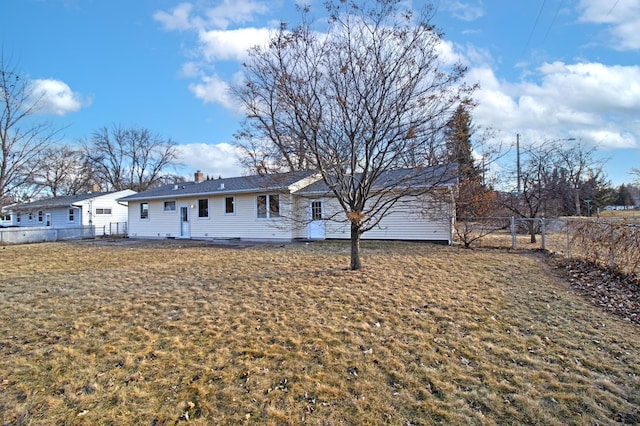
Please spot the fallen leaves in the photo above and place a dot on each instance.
(610, 290)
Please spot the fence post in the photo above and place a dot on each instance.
(568, 239)
(542, 231)
(612, 249)
(513, 232)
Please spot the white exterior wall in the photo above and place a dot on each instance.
(119, 212)
(84, 213)
(243, 224)
(405, 222)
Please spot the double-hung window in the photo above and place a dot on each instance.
(144, 211)
(169, 206)
(72, 214)
(268, 206)
(203, 208)
(229, 205)
(40, 216)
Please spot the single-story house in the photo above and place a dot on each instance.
(99, 209)
(281, 207)
(6, 216)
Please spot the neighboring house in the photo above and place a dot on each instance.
(100, 209)
(283, 207)
(6, 216)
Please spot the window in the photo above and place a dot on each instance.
(268, 206)
(40, 216)
(30, 217)
(17, 217)
(229, 205)
(203, 208)
(316, 210)
(72, 214)
(169, 206)
(144, 210)
(103, 211)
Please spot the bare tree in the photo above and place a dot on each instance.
(23, 138)
(353, 102)
(577, 164)
(63, 170)
(129, 158)
(539, 181)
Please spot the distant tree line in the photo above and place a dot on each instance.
(556, 178)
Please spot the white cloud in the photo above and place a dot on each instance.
(186, 17)
(464, 10)
(592, 101)
(213, 89)
(178, 19)
(55, 97)
(235, 12)
(212, 159)
(610, 138)
(232, 44)
(622, 17)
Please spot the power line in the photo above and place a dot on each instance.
(613, 7)
(535, 24)
(553, 21)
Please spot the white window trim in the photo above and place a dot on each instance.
(144, 219)
(175, 206)
(69, 215)
(233, 213)
(208, 216)
(103, 213)
(268, 205)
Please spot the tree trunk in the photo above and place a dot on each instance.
(355, 247)
(577, 201)
(532, 232)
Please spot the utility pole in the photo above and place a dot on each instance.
(518, 161)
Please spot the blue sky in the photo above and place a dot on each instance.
(548, 69)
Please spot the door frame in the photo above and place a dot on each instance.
(185, 225)
(316, 229)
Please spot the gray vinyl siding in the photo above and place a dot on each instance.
(84, 213)
(59, 218)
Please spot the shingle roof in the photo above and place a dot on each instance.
(439, 176)
(233, 185)
(418, 177)
(59, 201)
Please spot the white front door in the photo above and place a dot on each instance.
(315, 229)
(184, 222)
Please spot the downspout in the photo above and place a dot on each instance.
(452, 222)
(80, 210)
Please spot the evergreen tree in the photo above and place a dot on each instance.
(458, 142)
(624, 197)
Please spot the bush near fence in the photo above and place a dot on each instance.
(610, 243)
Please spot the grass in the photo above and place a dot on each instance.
(172, 332)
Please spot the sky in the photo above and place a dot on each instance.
(548, 70)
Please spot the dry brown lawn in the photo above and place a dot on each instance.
(173, 332)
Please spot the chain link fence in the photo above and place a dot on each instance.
(26, 235)
(608, 242)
